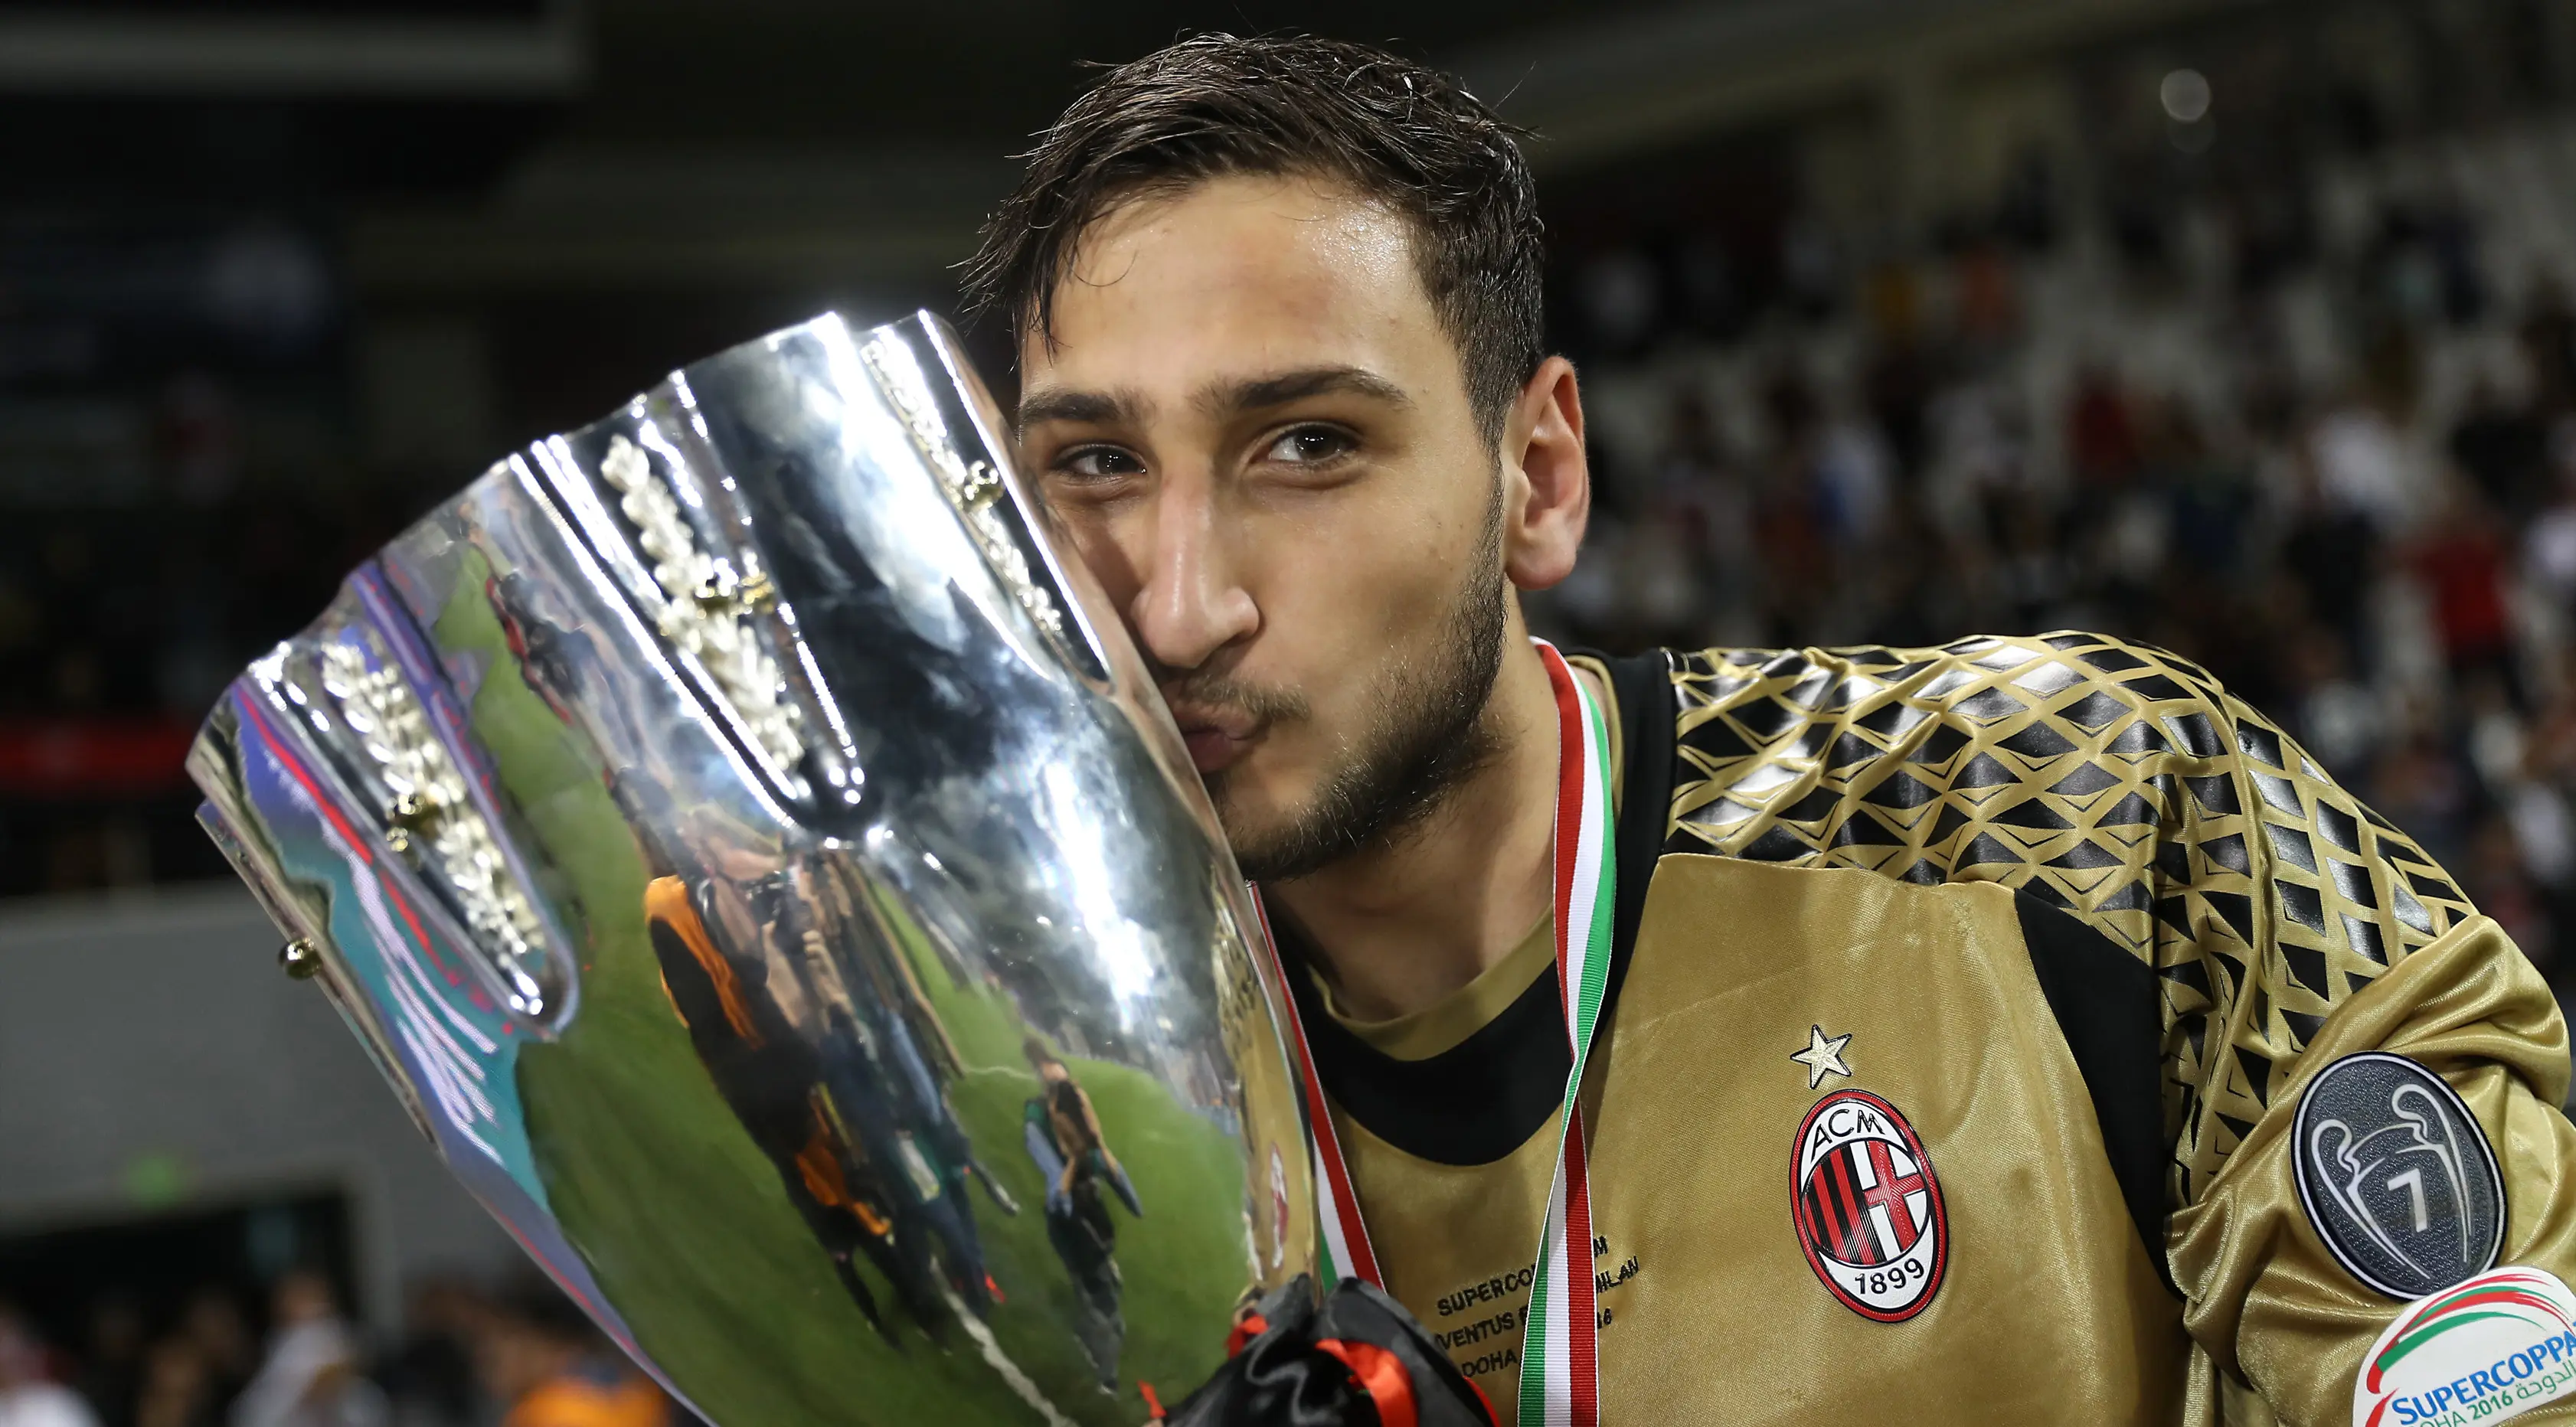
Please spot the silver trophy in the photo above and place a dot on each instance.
(749, 845)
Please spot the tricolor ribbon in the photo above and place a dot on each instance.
(1560, 1360)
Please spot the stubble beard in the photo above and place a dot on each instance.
(1427, 734)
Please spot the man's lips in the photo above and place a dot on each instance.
(1212, 750)
(1216, 736)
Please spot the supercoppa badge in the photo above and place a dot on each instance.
(2494, 1347)
(2396, 1176)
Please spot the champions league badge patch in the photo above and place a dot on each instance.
(2494, 1347)
(1868, 1207)
(2396, 1176)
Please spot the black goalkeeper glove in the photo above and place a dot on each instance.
(1358, 1360)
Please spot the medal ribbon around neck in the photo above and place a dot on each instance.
(1560, 1361)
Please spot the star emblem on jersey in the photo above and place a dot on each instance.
(1868, 1207)
(2396, 1176)
(1823, 1056)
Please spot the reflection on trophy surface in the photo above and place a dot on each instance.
(762, 868)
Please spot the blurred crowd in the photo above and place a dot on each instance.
(2317, 434)
(122, 617)
(526, 1358)
(2297, 400)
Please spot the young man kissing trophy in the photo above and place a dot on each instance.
(2021, 1030)
(702, 817)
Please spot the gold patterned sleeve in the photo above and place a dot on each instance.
(2365, 1076)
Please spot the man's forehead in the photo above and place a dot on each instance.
(1270, 218)
(1239, 275)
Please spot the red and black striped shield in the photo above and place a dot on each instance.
(1868, 1207)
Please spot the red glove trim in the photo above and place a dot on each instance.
(1246, 1328)
(1381, 1375)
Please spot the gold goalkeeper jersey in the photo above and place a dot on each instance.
(2024, 1030)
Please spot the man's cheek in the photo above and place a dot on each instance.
(1097, 545)
(1282, 768)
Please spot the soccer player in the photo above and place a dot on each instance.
(760, 1063)
(2020, 1030)
(766, 1075)
(1061, 1130)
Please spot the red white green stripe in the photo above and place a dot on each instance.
(1560, 1369)
(1347, 1252)
(1560, 1360)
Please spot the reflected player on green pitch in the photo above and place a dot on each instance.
(1061, 1131)
(2023, 1029)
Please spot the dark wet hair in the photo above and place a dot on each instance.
(1396, 132)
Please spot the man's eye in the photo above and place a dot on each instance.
(1309, 446)
(1099, 463)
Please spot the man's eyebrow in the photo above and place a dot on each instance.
(1230, 398)
(1090, 408)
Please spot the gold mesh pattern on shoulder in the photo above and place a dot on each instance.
(2114, 781)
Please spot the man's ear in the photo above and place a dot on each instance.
(1547, 497)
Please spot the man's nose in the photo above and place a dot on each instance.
(1192, 602)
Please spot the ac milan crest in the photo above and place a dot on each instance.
(1868, 1208)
